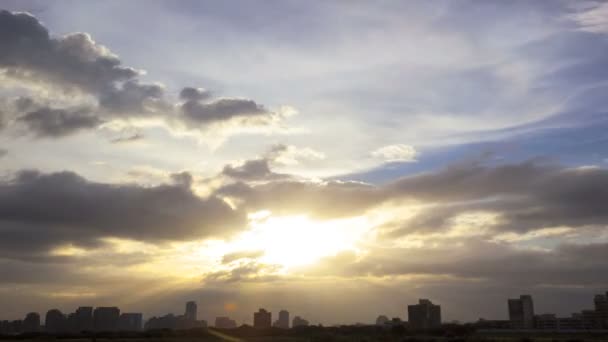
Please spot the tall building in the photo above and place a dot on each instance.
(106, 318)
(521, 312)
(191, 311)
(424, 316)
(31, 323)
(82, 320)
(299, 322)
(55, 321)
(225, 323)
(601, 307)
(262, 319)
(130, 322)
(71, 325)
(283, 321)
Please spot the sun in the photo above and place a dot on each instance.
(298, 240)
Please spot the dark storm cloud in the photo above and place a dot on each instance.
(39, 211)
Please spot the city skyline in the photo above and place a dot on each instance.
(423, 316)
(336, 159)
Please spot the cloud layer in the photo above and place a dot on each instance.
(375, 180)
(79, 69)
(42, 211)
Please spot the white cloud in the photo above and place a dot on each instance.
(292, 155)
(593, 19)
(396, 153)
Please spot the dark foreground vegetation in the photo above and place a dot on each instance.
(448, 333)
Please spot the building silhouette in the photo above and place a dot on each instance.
(191, 311)
(82, 319)
(299, 322)
(106, 318)
(130, 322)
(584, 320)
(262, 319)
(31, 323)
(11, 327)
(521, 312)
(601, 307)
(283, 321)
(85, 319)
(168, 321)
(424, 316)
(382, 320)
(186, 321)
(225, 323)
(501, 324)
(55, 321)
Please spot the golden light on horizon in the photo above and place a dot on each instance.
(230, 307)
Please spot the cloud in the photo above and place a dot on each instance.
(137, 136)
(48, 122)
(237, 256)
(39, 211)
(184, 179)
(32, 223)
(255, 169)
(260, 169)
(282, 154)
(593, 18)
(396, 153)
(194, 94)
(246, 272)
(197, 113)
(84, 86)
(477, 259)
(72, 62)
(133, 98)
(526, 196)
(284, 197)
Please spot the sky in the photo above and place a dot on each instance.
(337, 159)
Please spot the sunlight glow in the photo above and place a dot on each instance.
(298, 240)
